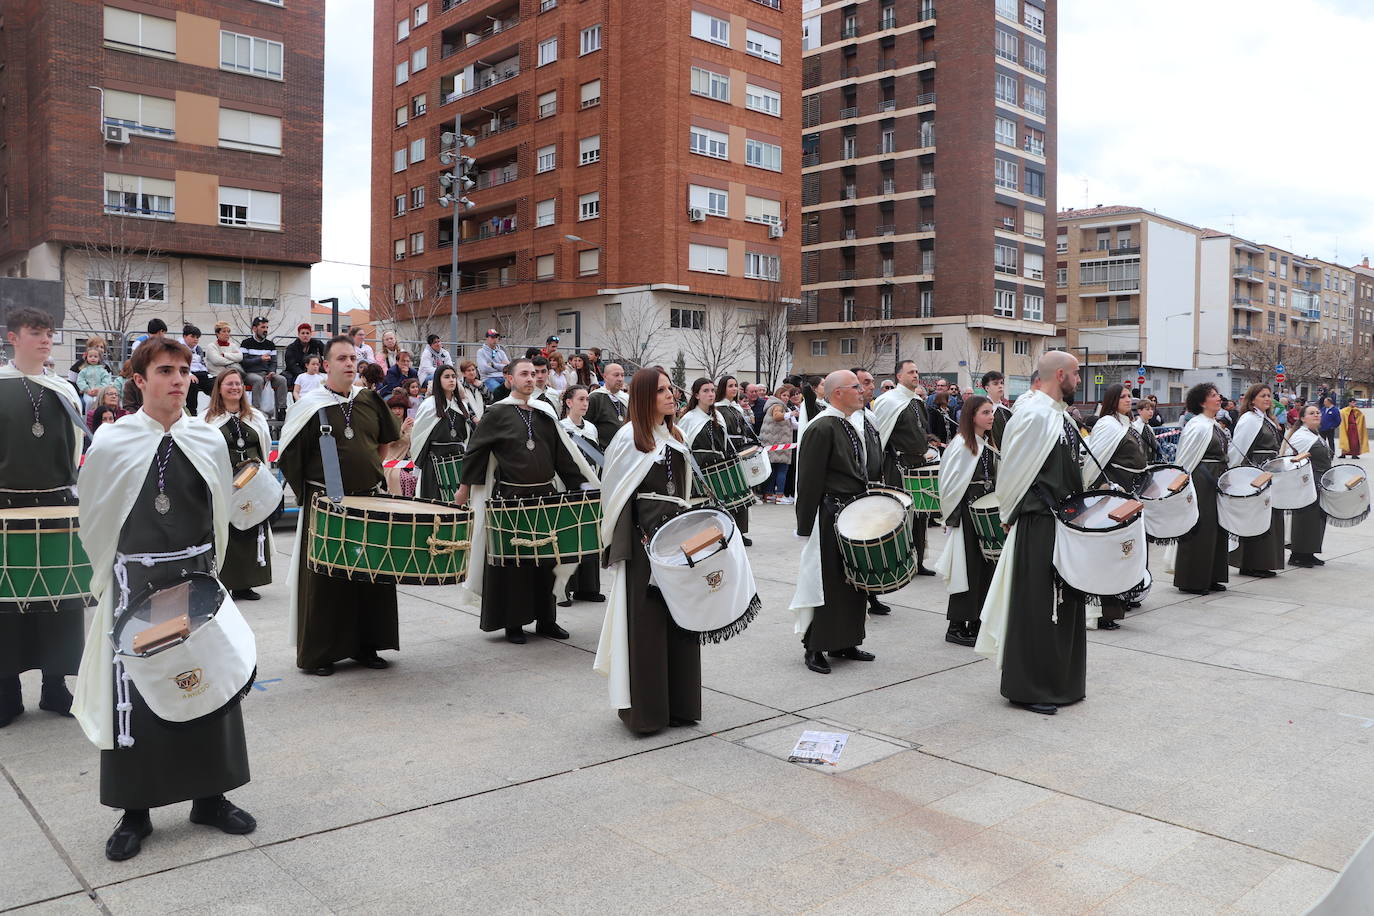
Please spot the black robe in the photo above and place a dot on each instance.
(171, 762)
(665, 660)
(513, 596)
(587, 579)
(1000, 415)
(1044, 661)
(446, 439)
(967, 606)
(1122, 467)
(607, 414)
(742, 436)
(712, 438)
(240, 568)
(45, 635)
(338, 618)
(830, 472)
(1264, 551)
(1201, 553)
(906, 447)
(1307, 527)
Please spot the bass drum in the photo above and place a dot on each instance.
(1243, 509)
(711, 593)
(1096, 554)
(1344, 495)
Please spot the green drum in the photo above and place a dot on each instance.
(389, 540)
(447, 469)
(42, 561)
(560, 527)
(986, 514)
(876, 545)
(727, 483)
(923, 485)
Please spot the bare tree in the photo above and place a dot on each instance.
(259, 296)
(721, 342)
(635, 334)
(969, 350)
(774, 356)
(122, 282)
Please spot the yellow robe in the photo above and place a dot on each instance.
(1360, 425)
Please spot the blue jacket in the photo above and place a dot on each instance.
(1331, 418)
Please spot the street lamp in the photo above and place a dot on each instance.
(454, 186)
(333, 314)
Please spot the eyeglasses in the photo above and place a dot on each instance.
(851, 387)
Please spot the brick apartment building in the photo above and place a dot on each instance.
(635, 170)
(163, 158)
(928, 185)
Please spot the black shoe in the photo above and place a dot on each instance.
(1193, 591)
(1259, 573)
(817, 663)
(960, 636)
(877, 607)
(679, 721)
(1298, 559)
(222, 813)
(1107, 624)
(515, 635)
(244, 594)
(588, 596)
(922, 571)
(322, 670)
(11, 699)
(372, 660)
(1316, 560)
(550, 629)
(566, 602)
(745, 539)
(1045, 709)
(56, 697)
(1132, 605)
(128, 836)
(854, 654)
(1217, 587)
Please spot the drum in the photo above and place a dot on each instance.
(1095, 553)
(447, 469)
(1295, 485)
(876, 549)
(727, 483)
(1345, 495)
(1170, 503)
(187, 648)
(711, 592)
(986, 514)
(1242, 509)
(389, 540)
(562, 527)
(41, 557)
(257, 494)
(757, 467)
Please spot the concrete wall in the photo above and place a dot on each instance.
(1170, 285)
(1214, 298)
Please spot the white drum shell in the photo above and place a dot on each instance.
(1341, 502)
(1245, 512)
(1171, 515)
(251, 504)
(1101, 562)
(716, 589)
(1295, 485)
(757, 468)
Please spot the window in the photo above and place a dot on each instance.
(417, 243)
(818, 347)
(1007, 9)
(543, 267)
(761, 45)
(403, 29)
(712, 200)
(417, 197)
(143, 114)
(761, 266)
(249, 130)
(402, 116)
(591, 93)
(546, 158)
(711, 143)
(548, 51)
(1004, 174)
(1007, 45)
(687, 319)
(400, 205)
(709, 28)
(140, 290)
(250, 209)
(255, 289)
(1005, 131)
(420, 59)
(935, 344)
(762, 210)
(421, 14)
(1034, 266)
(1004, 259)
(708, 83)
(1022, 347)
(246, 54)
(588, 262)
(887, 143)
(847, 308)
(545, 212)
(418, 105)
(708, 258)
(591, 39)
(992, 344)
(1035, 57)
(398, 292)
(589, 150)
(548, 104)
(133, 195)
(1061, 277)
(1035, 100)
(1035, 19)
(1032, 309)
(849, 346)
(402, 72)
(1035, 183)
(398, 160)
(140, 32)
(417, 150)
(1006, 88)
(589, 206)
(1035, 143)
(763, 155)
(756, 98)
(927, 303)
(885, 304)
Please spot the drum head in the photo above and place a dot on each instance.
(1284, 465)
(198, 596)
(397, 505)
(1091, 511)
(870, 517)
(1339, 475)
(1236, 482)
(986, 502)
(1161, 477)
(666, 545)
(26, 512)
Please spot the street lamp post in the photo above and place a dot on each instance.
(333, 314)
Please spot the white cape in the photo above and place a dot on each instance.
(888, 407)
(116, 467)
(1302, 440)
(810, 593)
(426, 421)
(1247, 429)
(62, 389)
(1107, 434)
(956, 472)
(695, 420)
(1193, 442)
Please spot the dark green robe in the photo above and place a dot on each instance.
(1000, 415)
(1122, 466)
(1264, 551)
(906, 447)
(607, 414)
(447, 438)
(1201, 553)
(967, 606)
(1308, 525)
(240, 568)
(830, 472)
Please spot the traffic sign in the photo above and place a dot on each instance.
(1141, 372)
(1140, 380)
(1099, 379)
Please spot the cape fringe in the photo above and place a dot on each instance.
(1157, 540)
(1065, 591)
(734, 629)
(1347, 522)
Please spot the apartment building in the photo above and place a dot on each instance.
(928, 185)
(162, 158)
(634, 171)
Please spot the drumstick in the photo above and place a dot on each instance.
(1354, 482)
(1296, 458)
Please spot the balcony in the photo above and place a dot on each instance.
(1309, 286)
(1245, 304)
(492, 128)
(1123, 286)
(886, 230)
(1248, 274)
(476, 230)
(497, 176)
(1245, 333)
(483, 79)
(925, 14)
(809, 159)
(851, 234)
(849, 31)
(774, 4)
(1308, 315)
(928, 226)
(847, 273)
(887, 105)
(928, 182)
(846, 113)
(457, 39)
(925, 98)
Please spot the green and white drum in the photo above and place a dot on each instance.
(560, 527)
(42, 561)
(876, 549)
(447, 467)
(389, 540)
(986, 514)
(923, 485)
(726, 480)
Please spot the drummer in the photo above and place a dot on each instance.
(39, 451)
(904, 428)
(248, 556)
(830, 471)
(165, 478)
(1256, 440)
(608, 406)
(866, 425)
(1200, 555)
(442, 426)
(1120, 447)
(653, 665)
(995, 384)
(1145, 411)
(332, 619)
(739, 425)
(518, 450)
(704, 429)
(968, 472)
(1308, 525)
(585, 583)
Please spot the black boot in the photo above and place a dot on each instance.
(55, 696)
(550, 629)
(816, 662)
(877, 607)
(128, 836)
(958, 634)
(218, 811)
(11, 699)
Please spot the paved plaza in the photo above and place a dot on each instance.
(1220, 764)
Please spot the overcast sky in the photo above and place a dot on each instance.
(1239, 115)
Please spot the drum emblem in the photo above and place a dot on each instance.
(1189, 498)
(1127, 546)
(188, 680)
(714, 578)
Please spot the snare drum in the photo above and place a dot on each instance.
(389, 540)
(711, 593)
(559, 527)
(876, 549)
(923, 485)
(726, 481)
(41, 557)
(985, 513)
(1243, 510)
(1345, 495)
(1170, 503)
(447, 469)
(757, 467)
(257, 494)
(1295, 485)
(1094, 553)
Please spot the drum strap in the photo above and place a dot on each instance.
(329, 457)
(76, 418)
(592, 453)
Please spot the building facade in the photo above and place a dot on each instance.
(162, 159)
(634, 172)
(902, 110)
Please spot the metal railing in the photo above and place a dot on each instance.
(484, 84)
(475, 38)
(492, 179)
(775, 4)
(852, 112)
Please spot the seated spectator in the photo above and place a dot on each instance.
(131, 396)
(93, 378)
(156, 328)
(260, 366)
(220, 354)
(371, 375)
(299, 349)
(310, 379)
(390, 350)
(109, 397)
(474, 393)
(200, 371)
(102, 415)
(580, 372)
(399, 482)
(397, 374)
(432, 358)
(365, 354)
(413, 392)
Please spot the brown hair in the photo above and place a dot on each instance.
(154, 347)
(398, 400)
(25, 317)
(644, 410)
(217, 397)
(966, 417)
(1250, 394)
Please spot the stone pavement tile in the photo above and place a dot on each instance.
(692, 822)
(1292, 888)
(734, 859)
(71, 905)
(981, 907)
(1143, 897)
(1218, 869)
(473, 892)
(911, 837)
(1059, 885)
(1134, 843)
(991, 801)
(248, 882)
(813, 877)
(43, 874)
(918, 778)
(898, 892)
(860, 750)
(981, 862)
(1061, 819)
(838, 807)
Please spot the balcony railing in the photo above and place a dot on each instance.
(889, 186)
(925, 98)
(490, 129)
(849, 73)
(475, 38)
(492, 179)
(486, 83)
(1119, 322)
(851, 234)
(927, 182)
(849, 113)
(849, 31)
(489, 231)
(886, 63)
(845, 274)
(887, 230)
(925, 13)
(1244, 333)
(1248, 273)
(887, 105)
(1123, 286)
(775, 4)
(811, 159)
(928, 226)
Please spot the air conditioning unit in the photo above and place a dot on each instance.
(400, 256)
(696, 214)
(775, 232)
(116, 133)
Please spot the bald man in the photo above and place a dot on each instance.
(609, 405)
(1039, 642)
(831, 470)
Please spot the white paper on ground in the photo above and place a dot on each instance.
(819, 747)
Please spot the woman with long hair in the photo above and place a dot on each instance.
(109, 397)
(1120, 447)
(585, 583)
(968, 472)
(653, 665)
(943, 423)
(704, 429)
(579, 372)
(1256, 440)
(399, 480)
(389, 352)
(1308, 526)
(442, 426)
(558, 373)
(247, 559)
(1146, 419)
(1200, 555)
(739, 426)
